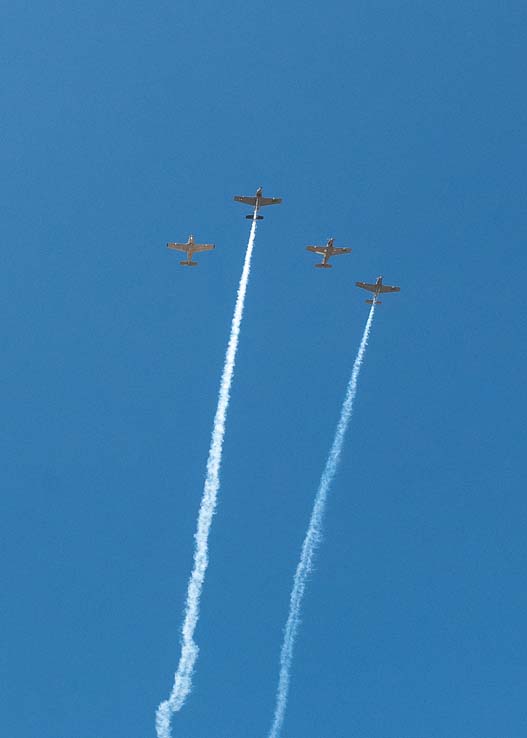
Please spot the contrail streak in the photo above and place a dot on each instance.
(189, 648)
(312, 538)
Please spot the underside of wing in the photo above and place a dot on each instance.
(178, 246)
(203, 247)
(338, 251)
(246, 200)
(270, 201)
(366, 286)
(316, 249)
(387, 288)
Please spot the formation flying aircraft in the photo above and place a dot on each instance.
(190, 248)
(327, 251)
(378, 289)
(257, 202)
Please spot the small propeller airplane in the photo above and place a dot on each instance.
(327, 251)
(378, 288)
(257, 202)
(190, 248)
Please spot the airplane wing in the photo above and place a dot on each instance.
(317, 249)
(178, 246)
(246, 200)
(269, 201)
(203, 247)
(337, 251)
(366, 286)
(387, 288)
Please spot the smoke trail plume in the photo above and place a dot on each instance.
(189, 648)
(312, 538)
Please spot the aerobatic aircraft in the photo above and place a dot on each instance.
(378, 289)
(190, 248)
(327, 251)
(257, 202)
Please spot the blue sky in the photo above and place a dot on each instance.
(399, 129)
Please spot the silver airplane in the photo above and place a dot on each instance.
(257, 202)
(191, 248)
(378, 289)
(327, 251)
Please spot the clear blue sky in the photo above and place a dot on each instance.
(399, 129)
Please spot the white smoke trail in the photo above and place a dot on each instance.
(312, 538)
(189, 649)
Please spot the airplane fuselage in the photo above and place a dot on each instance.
(378, 290)
(329, 250)
(258, 200)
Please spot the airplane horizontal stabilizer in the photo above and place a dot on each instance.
(370, 302)
(189, 263)
(251, 217)
(324, 266)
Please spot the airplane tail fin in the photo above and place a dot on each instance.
(250, 217)
(189, 263)
(323, 266)
(370, 302)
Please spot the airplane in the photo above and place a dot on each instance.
(328, 251)
(190, 248)
(257, 202)
(378, 288)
